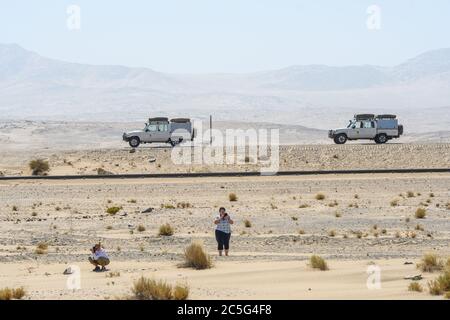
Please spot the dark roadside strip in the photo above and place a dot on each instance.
(226, 174)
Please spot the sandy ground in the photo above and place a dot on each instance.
(291, 157)
(269, 259)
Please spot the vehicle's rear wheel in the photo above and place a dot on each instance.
(340, 139)
(134, 142)
(381, 138)
(173, 143)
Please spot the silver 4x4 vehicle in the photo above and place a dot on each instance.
(380, 128)
(161, 130)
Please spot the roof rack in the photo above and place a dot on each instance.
(160, 119)
(364, 116)
(386, 116)
(180, 120)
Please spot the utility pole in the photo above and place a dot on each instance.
(210, 129)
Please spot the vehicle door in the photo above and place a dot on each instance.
(368, 130)
(149, 132)
(354, 130)
(162, 133)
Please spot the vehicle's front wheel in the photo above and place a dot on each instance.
(381, 138)
(340, 139)
(134, 142)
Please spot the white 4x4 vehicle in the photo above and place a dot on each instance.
(380, 128)
(161, 130)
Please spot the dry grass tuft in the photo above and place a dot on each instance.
(420, 213)
(9, 294)
(141, 228)
(150, 289)
(39, 167)
(165, 230)
(320, 196)
(113, 210)
(41, 248)
(196, 257)
(232, 197)
(317, 262)
(247, 223)
(430, 263)
(441, 284)
(415, 286)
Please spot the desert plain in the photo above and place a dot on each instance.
(363, 220)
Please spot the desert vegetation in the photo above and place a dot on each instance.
(196, 257)
(165, 230)
(39, 167)
(317, 262)
(151, 289)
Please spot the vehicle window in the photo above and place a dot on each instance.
(367, 124)
(152, 127)
(162, 127)
(356, 125)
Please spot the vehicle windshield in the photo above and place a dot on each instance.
(350, 123)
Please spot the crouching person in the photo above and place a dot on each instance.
(99, 258)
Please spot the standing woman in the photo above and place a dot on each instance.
(223, 231)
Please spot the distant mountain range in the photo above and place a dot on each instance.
(318, 96)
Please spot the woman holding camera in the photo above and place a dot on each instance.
(223, 230)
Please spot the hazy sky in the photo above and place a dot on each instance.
(198, 36)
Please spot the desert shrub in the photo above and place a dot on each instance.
(150, 289)
(410, 194)
(337, 214)
(317, 262)
(39, 167)
(420, 213)
(301, 231)
(167, 206)
(9, 294)
(441, 284)
(232, 197)
(320, 196)
(196, 257)
(165, 230)
(331, 233)
(41, 248)
(113, 210)
(304, 205)
(180, 292)
(430, 262)
(415, 286)
(394, 203)
(141, 228)
(109, 227)
(247, 223)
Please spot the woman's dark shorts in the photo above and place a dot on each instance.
(223, 240)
